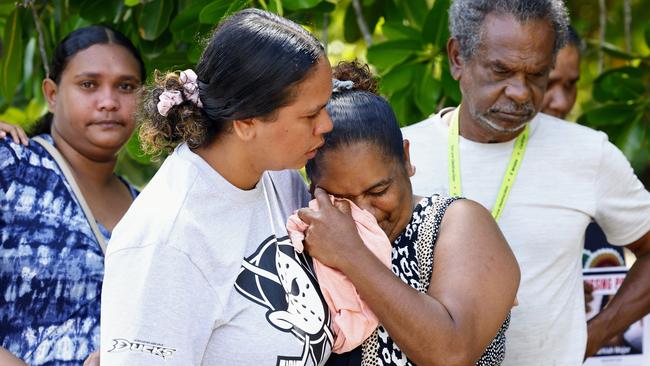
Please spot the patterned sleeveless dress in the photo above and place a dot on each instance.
(412, 261)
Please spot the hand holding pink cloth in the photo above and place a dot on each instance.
(352, 320)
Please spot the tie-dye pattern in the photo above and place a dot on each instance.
(51, 266)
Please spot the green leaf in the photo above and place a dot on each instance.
(34, 111)
(371, 15)
(398, 78)
(98, 11)
(614, 113)
(196, 50)
(616, 52)
(177, 60)
(405, 109)
(15, 116)
(131, 2)
(6, 8)
(323, 7)
(351, 32)
(436, 25)
(394, 31)
(152, 49)
(400, 104)
(388, 54)
(28, 68)
(632, 139)
(213, 12)
(135, 152)
(188, 33)
(621, 84)
(392, 13)
(647, 141)
(136, 173)
(300, 4)
(449, 85)
(25, 117)
(154, 18)
(275, 6)
(428, 91)
(186, 24)
(12, 58)
(415, 11)
(37, 82)
(647, 35)
(237, 5)
(582, 120)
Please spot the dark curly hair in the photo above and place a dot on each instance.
(185, 122)
(359, 74)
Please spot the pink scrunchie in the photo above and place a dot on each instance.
(188, 80)
(171, 98)
(352, 319)
(167, 100)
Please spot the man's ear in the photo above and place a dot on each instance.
(410, 168)
(50, 91)
(456, 61)
(246, 129)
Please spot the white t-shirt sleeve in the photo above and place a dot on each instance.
(157, 308)
(622, 203)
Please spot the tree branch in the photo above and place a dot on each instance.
(627, 13)
(325, 35)
(41, 38)
(363, 27)
(601, 37)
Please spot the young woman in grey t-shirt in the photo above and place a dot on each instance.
(200, 270)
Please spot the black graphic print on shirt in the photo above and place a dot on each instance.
(282, 281)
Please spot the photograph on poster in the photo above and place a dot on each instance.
(632, 347)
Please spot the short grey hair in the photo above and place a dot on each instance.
(466, 19)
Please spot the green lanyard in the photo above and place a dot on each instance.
(510, 175)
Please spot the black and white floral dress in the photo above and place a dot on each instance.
(412, 261)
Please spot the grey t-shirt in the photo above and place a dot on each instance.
(200, 272)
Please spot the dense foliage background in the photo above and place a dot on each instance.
(404, 40)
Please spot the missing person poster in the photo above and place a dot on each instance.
(632, 347)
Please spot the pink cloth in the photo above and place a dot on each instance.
(352, 320)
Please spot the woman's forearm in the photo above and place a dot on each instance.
(420, 325)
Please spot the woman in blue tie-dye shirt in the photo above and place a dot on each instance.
(51, 263)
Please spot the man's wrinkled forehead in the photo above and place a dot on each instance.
(504, 36)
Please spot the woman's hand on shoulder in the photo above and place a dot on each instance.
(332, 235)
(16, 132)
(92, 360)
(8, 359)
